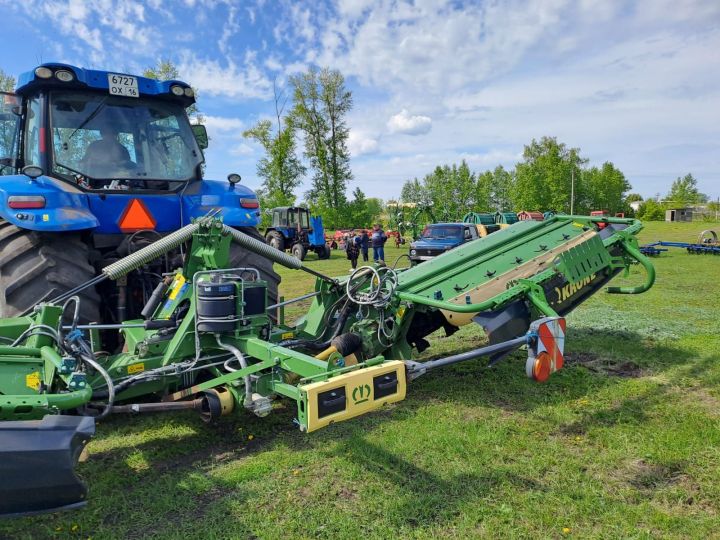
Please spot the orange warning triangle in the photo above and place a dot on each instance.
(136, 217)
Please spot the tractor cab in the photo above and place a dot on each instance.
(94, 165)
(295, 229)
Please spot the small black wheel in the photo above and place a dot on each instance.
(299, 251)
(323, 252)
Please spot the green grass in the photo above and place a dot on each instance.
(623, 442)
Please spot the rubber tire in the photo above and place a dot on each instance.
(298, 251)
(323, 253)
(41, 266)
(276, 240)
(241, 258)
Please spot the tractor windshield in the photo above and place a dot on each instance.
(114, 142)
(442, 232)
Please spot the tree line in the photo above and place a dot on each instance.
(550, 176)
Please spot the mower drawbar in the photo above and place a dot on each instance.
(37, 461)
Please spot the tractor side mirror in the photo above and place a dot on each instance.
(201, 135)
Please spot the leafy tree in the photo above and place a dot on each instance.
(543, 179)
(632, 197)
(165, 70)
(321, 103)
(280, 169)
(684, 192)
(358, 210)
(501, 190)
(7, 82)
(605, 188)
(651, 210)
(413, 191)
(375, 208)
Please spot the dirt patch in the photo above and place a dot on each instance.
(650, 476)
(606, 366)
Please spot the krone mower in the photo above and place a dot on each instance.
(209, 341)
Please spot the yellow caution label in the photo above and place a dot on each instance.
(136, 368)
(46, 217)
(578, 224)
(176, 286)
(400, 312)
(287, 335)
(32, 380)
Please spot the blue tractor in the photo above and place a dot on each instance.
(295, 229)
(94, 165)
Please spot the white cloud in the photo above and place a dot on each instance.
(242, 150)
(361, 144)
(404, 122)
(221, 123)
(232, 80)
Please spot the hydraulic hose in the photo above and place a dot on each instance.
(243, 363)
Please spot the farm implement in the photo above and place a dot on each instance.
(209, 341)
(707, 243)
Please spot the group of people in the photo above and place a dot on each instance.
(357, 244)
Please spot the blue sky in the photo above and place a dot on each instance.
(635, 83)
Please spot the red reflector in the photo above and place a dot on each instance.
(136, 217)
(249, 203)
(26, 201)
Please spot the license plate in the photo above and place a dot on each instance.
(123, 85)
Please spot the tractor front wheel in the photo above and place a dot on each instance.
(298, 251)
(36, 267)
(276, 240)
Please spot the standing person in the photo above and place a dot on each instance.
(352, 249)
(378, 243)
(364, 243)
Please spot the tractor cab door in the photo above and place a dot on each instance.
(10, 111)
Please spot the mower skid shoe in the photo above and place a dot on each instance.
(37, 461)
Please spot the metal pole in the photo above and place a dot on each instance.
(572, 191)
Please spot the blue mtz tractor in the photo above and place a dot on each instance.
(95, 165)
(295, 229)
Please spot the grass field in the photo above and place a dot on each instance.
(623, 443)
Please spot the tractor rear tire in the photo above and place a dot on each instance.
(298, 251)
(37, 267)
(242, 258)
(323, 252)
(276, 240)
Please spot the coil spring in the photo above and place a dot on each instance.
(148, 253)
(263, 249)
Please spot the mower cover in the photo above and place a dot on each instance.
(37, 458)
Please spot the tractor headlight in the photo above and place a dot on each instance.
(189, 92)
(43, 72)
(64, 75)
(177, 90)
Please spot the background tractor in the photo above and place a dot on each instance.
(294, 229)
(95, 165)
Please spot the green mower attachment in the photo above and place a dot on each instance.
(209, 341)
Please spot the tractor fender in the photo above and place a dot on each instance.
(66, 207)
(202, 197)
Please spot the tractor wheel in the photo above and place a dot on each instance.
(41, 266)
(323, 252)
(241, 258)
(298, 251)
(276, 240)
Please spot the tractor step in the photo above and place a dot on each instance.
(37, 462)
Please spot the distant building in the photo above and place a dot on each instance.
(679, 214)
(635, 205)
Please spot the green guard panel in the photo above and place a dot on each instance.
(584, 260)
